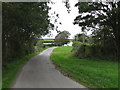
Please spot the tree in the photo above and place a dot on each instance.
(23, 24)
(103, 18)
(62, 38)
(81, 37)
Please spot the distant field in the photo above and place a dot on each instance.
(52, 39)
(89, 72)
(48, 40)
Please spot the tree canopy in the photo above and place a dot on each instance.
(62, 38)
(23, 24)
(102, 18)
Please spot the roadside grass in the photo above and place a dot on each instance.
(89, 72)
(11, 70)
(0, 79)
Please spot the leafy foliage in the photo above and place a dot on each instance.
(103, 19)
(23, 24)
(62, 38)
(81, 37)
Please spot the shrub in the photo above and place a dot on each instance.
(49, 45)
(87, 50)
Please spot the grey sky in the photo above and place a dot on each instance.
(65, 18)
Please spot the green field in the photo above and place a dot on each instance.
(90, 73)
(51, 40)
(9, 73)
(48, 39)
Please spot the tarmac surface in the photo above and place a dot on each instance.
(39, 72)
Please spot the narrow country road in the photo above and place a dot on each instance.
(39, 72)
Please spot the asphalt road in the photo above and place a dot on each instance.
(39, 72)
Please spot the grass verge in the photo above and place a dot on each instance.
(89, 72)
(9, 73)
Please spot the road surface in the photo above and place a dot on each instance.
(39, 72)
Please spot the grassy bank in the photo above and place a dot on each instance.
(12, 68)
(91, 73)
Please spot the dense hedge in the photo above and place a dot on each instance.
(87, 50)
(22, 25)
(48, 42)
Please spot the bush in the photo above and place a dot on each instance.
(49, 45)
(39, 45)
(82, 50)
(48, 41)
(87, 50)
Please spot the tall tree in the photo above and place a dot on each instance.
(103, 18)
(22, 24)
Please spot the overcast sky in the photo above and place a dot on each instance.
(64, 17)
